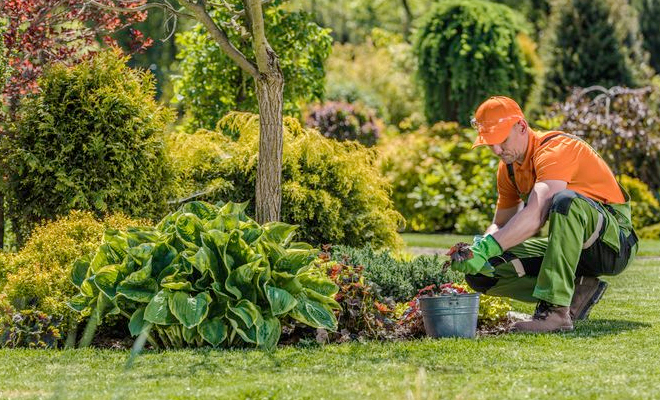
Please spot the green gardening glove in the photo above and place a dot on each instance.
(482, 250)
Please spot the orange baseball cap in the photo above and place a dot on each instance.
(494, 119)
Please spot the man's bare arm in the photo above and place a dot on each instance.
(502, 216)
(527, 222)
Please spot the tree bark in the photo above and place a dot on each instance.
(270, 88)
(407, 20)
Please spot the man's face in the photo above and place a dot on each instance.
(510, 150)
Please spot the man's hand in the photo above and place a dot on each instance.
(482, 250)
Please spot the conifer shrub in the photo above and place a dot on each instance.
(333, 190)
(37, 277)
(344, 121)
(610, 54)
(90, 140)
(439, 182)
(467, 51)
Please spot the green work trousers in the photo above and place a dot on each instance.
(585, 239)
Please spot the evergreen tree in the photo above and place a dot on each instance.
(589, 48)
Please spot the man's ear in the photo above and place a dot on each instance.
(523, 126)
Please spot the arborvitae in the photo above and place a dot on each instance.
(587, 49)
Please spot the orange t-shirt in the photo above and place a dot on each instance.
(560, 158)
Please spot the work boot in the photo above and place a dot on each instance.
(588, 290)
(547, 318)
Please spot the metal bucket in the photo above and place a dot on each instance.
(450, 315)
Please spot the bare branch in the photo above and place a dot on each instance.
(220, 36)
(163, 6)
(261, 46)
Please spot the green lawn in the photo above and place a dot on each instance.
(444, 241)
(612, 356)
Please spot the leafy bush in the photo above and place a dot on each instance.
(620, 123)
(467, 50)
(343, 121)
(611, 54)
(397, 279)
(37, 277)
(379, 73)
(645, 207)
(4, 63)
(206, 275)
(332, 190)
(439, 183)
(649, 232)
(211, 84)
(90, 140)
(31, 329)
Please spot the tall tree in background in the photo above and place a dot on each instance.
(261, 63)
(39, 32)
(592, 42)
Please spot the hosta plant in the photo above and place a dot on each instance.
(206, 275)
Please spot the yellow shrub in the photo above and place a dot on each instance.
(38, 275)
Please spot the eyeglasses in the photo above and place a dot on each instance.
(479, 126)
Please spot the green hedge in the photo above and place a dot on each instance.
(645, 207)
(333, 190)
(439, 183)
(468, 50)
(90, 140)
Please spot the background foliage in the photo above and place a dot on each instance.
(467, 51)
(610, 54)
(439, 183)
(344, 121)
(211, 84)
(379, 73)
(90, 140)
(333, 190)
(620, 123)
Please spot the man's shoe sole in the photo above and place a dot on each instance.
(595, 298)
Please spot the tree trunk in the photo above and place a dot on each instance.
(270, 89)
(407, 20)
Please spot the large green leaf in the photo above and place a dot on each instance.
(141, 275)
(295, 260)
(176, 282)
(327, 300)
(162, 256)
(239, 283)
(158, 310)
(101, 258)
(137, 323)
(247, 312)
(137, 236)
(269, 333)
(217, 241)
(320, 284)
(190, 311)
(205, 211)
(88, 288)
(251, 231)
(116, 240)
(313, 313)
(279, 232)
(203, 260)
(79, 302)
(189, 229)
(142, 253)
(280, 300)
(213, 330)
(237, 252)
(107, 279)
(189, 334)
(79, 270)
(287, 281)
(204, 282)
(142, 292)
(237, 209)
